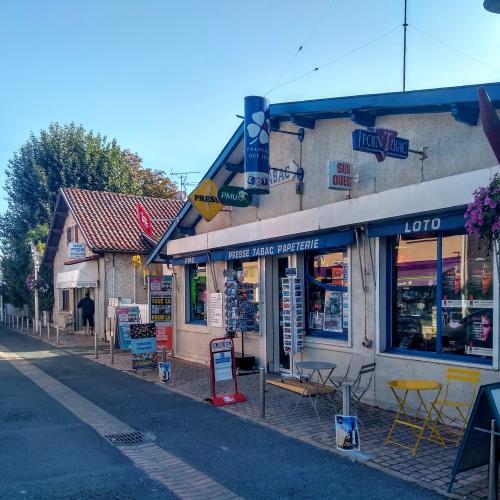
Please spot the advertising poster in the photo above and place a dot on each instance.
(161, 310)
(215, 309)
(347, 433)
(480, 333)
(333, 313)
(126, 316)
(143, 346)
(223, 365)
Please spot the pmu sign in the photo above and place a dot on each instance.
(382, 142)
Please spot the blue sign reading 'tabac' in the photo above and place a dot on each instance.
(381, 144)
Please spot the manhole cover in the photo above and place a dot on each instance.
(130, 438)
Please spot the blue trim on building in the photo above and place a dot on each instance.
(459, 101)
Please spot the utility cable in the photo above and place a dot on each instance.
(306, 39)
(353, 51)
(451, 47)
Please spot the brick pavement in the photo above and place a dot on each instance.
(431, 467)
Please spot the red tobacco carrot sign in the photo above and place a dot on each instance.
(144, 220)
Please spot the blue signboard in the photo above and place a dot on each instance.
(257, 129)
(421, 224)
(315, 242)
(381, 142)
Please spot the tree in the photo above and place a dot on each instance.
(152, 183)
(61, 156)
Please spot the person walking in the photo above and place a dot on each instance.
(87, 306)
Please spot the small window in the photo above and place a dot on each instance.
(64, 304)
(327, 278)
(69, 235)
(248, 272)
(197, 293)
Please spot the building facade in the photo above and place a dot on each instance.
(91, 242)
(387, 271)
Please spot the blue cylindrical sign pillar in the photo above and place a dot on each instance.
(257, 128)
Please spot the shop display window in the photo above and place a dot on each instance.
(441, 296)
(327, 279)
(248, 271)
(197, 293)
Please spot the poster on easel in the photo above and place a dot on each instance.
(143, 346)
(161, 310)
(126, 316)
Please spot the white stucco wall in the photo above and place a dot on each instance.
(453, 148)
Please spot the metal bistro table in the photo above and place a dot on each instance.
(418, 420)
(315, 383)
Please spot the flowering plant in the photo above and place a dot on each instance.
(482, 217)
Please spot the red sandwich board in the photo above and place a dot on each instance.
(223, 367)
(144, 220)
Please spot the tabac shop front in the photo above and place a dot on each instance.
(386, 269)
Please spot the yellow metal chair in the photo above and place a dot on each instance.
(453, 409)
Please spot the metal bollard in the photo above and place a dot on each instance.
(262, 392)
(57, 334)
(346, 398)
(17, 322)
(48, 330)
(493, 466)
(112, 347)
(95, 345)
(40, 328)
(33, 327)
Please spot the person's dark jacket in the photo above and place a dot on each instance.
(87, 306)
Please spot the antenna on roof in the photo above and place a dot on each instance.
(182, 181)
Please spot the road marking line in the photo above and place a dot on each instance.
(179, 477)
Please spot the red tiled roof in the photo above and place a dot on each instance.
(109, 222)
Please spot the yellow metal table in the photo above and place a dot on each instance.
(418, 420)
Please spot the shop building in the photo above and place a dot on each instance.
(386, 267)
(91, 242)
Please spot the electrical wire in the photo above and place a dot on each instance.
(306, 39)
(451, 47)
(337, 59)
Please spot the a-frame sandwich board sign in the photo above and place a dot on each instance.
(474, 449)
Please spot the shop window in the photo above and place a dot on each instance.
(64, 303)
(248, 272)
(441, 296)
(327, 294)
(197, 293)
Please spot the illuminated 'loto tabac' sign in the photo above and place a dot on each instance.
(381, 142)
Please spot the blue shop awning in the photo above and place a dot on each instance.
(419, 224)
(302, 244)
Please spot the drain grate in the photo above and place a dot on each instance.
(130, 438)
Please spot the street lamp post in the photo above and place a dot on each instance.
(36, 265)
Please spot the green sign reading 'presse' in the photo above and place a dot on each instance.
(234, 196)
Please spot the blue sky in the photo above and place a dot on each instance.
(166, 78)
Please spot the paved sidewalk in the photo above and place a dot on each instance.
(431, 467)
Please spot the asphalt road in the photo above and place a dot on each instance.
(46, 452)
